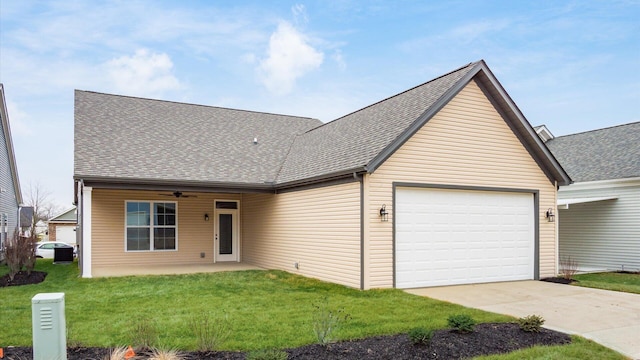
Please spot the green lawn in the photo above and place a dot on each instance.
(265, 309)
(610, 281)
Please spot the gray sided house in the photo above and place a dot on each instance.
(599, 214)
(10, 194)
(445, 183)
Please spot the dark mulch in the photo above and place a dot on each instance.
(22, 278)
(445, 344)
(559, 280)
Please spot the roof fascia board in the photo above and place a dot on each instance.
(171, 185)
(553, 168)
(516, 131)
(53, 218)
(320, 179)
(601, 184)
(7, 135)
(421, 120)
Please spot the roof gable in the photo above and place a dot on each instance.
(353, 142)
(603, 154)
(13, 170)
(69, 215)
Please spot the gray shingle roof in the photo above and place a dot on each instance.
(132, 138)
(604, 154)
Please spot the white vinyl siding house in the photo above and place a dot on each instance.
(600, 226)
(599, 214)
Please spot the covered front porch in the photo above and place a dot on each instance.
(110, 271)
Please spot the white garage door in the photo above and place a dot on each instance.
(66, 234)
(448, 237)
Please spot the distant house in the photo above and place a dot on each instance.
(62, 227)
(599, 217)
(445, 183)
(10, 194)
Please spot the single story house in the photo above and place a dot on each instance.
(10, 193)
(599, 217)
(62, 227)
(445, 183)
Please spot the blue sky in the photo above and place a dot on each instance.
(572, 65)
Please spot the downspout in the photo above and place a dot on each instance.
(361, 180)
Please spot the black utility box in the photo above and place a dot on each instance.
(62, 255)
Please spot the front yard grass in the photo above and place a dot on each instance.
(627, 282)
(265, 309)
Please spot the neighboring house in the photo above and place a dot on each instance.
(445, 183)
(10, 194)
(62, 227)
(599, 215)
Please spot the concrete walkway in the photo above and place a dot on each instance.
(610, 318)
(170, 269)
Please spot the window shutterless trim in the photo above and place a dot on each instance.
(151, 225)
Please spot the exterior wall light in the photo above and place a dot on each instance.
(206, 217)
(384, 215)
(551, 217)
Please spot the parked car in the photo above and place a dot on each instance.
(45, 249)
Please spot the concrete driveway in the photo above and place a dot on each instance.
(610, 318)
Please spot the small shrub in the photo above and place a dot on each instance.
(420, 336)
(269, 354)
(157, 354)
(209, 332)
(119, 353)
(461, 323)
(531, 323)
(568, 267)
(144, 333)
(327, 321)
(20, 253)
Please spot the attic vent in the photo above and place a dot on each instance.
(255, 141)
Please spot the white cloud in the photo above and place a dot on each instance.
(143, 74)
(339, 59)
(18, 120)
(289, 57)
(299, 13)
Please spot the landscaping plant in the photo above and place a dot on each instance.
(268, 354)
(210, 332)
(568, 268)
(420, 336)
(531, 323)
(327, 321)
(157, 354)
(144, 333)
(461, 323)
(20, 253)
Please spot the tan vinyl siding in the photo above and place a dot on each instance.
(317, 228)
(467, 143)
(602, 235)
(195, 235)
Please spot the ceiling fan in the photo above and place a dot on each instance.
(179, 194)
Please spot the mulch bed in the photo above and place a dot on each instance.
(446, 344)
(559, 280)
(22, 278)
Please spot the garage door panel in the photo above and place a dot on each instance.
(446, 237)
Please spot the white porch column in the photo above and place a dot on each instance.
(86, 231)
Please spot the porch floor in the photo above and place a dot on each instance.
(171, 269)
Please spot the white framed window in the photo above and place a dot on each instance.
(151, 226)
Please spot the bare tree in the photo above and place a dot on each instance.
(38, 197)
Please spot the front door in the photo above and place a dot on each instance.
(226, 232)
